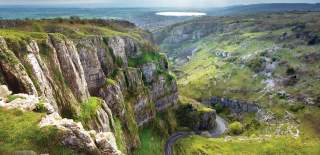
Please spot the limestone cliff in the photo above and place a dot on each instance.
(68, 65)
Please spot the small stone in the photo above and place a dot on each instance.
(4, 91)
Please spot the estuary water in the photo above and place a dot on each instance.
(181, 14)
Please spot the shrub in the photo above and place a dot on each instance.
(11, 98)
(89, 109)
(290, 71)
(257, 64)
(236, 128)
(218, 107)
(111, 82)
(296, 108)
(40, 107)
(119, 61)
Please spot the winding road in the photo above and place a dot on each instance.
(219, 130)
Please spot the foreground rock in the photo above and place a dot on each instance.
(23, 102)
(74, 136)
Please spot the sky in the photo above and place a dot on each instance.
(150, 3)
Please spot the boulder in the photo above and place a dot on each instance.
(4, 91)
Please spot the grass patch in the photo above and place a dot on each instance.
(151, 143)
(119, 135)
(20, 131)
(11, 98)
(277, 145)
(154, 134)
(110, 82)
(144, 58)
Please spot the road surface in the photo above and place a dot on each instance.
(219, 130)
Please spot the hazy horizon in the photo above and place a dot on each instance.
(145, 3)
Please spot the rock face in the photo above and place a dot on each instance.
(239, 107)
(64, 70)
(207, 120)
(113, 96)
(103, 122)
(195, 118)
(122, 48)
(71, 66)
(14, 72)
(89, 50)
(184, 32)
(234, 105)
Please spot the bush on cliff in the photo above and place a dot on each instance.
(89, 110)
(236, 128)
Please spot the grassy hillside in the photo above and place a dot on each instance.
(232, 146)
(255, 60)
(269, 59)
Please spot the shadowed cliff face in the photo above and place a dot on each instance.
(66, 69)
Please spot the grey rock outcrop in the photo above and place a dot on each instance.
(207, 120)
(197, 119)
(113, 97)
(164, 93)
(89, 49)
(149, 71)
(103, 121)
(40, 72)
(71, 66)
(24, 102)
(240, 107)
(14, 72)
(74, 136)
(234, 105)
(186, 31)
